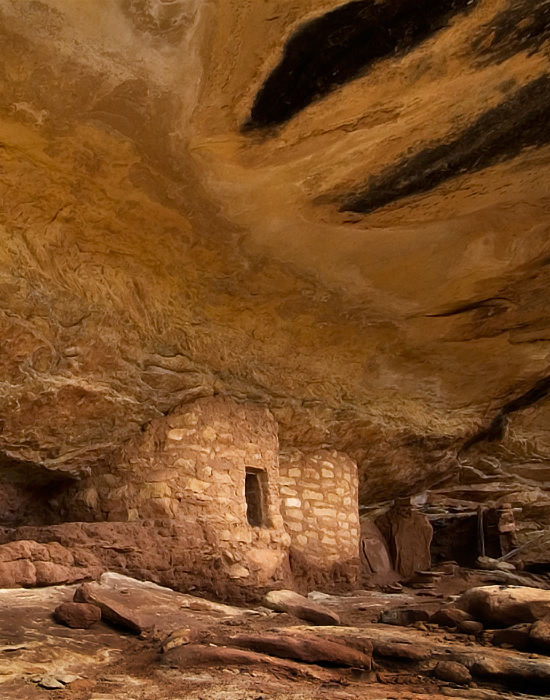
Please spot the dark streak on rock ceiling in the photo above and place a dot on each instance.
(342, 45)
(524, 26)
(497, 428)
(500, 134)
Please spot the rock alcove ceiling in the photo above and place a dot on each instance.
(338, 211)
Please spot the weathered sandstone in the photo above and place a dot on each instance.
(167, 233)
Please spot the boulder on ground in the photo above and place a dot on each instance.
(450, 617)
(452, 672)
(77, 615)
(502, 606)
(403, 616)
(470, 627)
(299, 606)
(540, 636)
(50, 683)
(490, 564)
(517, 636)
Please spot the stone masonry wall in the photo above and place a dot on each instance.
(188, 470)
(319, 495)
(194, 502)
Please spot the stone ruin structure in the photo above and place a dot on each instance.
(206, 486)
(321, 515)
(311, 209)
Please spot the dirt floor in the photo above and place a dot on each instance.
(105, 663)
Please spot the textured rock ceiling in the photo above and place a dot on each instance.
(338, 210)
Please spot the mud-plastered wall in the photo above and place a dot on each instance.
(319, 495)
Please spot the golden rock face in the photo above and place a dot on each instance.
(339, 211)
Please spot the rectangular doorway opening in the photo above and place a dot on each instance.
(255, 491)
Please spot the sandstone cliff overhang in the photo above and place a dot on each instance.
(336, 210)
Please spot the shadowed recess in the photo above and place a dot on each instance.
(342, 45)
(497, 429)
(523, 26)
(498, 135)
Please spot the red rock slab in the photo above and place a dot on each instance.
(311, 650)
(201, 655)
(486, 662)
(299, 606)
(397, 650)
(112, 610)
(145, 607)
(502, 607)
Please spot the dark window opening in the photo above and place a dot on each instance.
(255, 491)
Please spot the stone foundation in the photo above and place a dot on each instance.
(182, 556)
(319, 494)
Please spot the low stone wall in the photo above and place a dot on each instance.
(319, 494)
(183, 556)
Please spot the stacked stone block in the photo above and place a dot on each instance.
(189, 469)
(319, 495)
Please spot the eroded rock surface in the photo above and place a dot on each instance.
(213, 654)
(145, 607)
(336, 210)
(502, 606)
